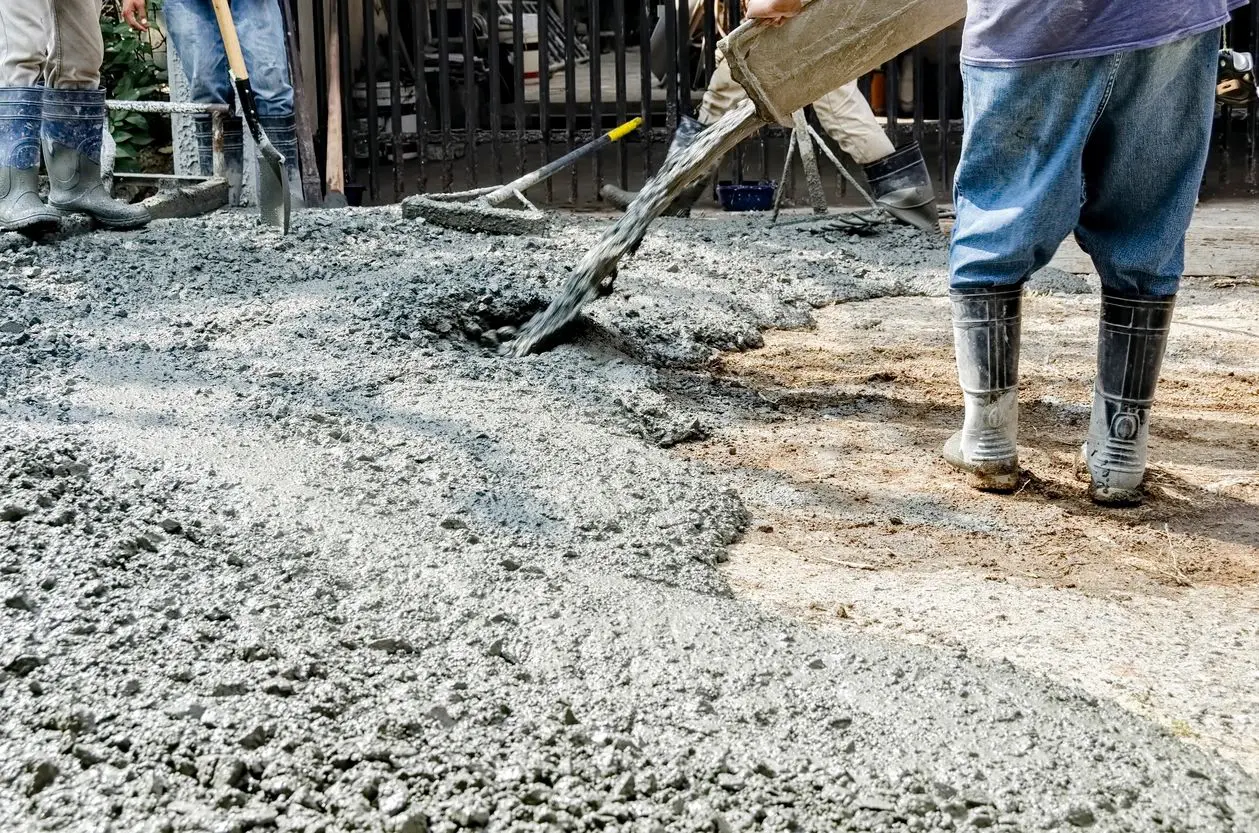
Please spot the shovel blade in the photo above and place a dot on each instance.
(273, 192)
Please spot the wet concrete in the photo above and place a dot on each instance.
(285, 544)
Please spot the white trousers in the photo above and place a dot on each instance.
(844, 113)
(56, 41)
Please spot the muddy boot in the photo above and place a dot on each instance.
(72, 121)
(1130, 345)
(902, 188)
(233, 151)
(986, 324)
(282, 131)
(688, 130)
(21, 209)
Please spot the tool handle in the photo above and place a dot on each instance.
(546, 172)
(335, 161)
(231, 43)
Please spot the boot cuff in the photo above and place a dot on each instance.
(904, 157)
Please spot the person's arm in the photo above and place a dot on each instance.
(136, 15)
(773, 12)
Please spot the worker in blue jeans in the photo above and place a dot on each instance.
(1092, 117)
(194, 32)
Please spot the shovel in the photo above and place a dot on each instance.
(273, 192)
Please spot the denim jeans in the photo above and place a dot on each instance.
(1113, 148)
(194, 32)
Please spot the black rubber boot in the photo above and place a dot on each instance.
(282, 131)
(688, 130)
(1131, 341)
(73, 121)
(21, 209)
(986, 329)
(233, 151)
(902, 188)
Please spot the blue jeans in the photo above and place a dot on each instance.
(1113, 148)
(194, 32)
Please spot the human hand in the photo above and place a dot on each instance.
(773, 12)
(136, 15)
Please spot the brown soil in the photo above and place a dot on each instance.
(871, 396)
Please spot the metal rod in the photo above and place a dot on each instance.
(496, 92)
(395, 96)
(622, 109)
(544, 87)
(596, 91)
(369, 90)
(570, 90)
(471, 116)
(444, 92)
(422, 101)
(348, 161)
(645, 80)
(518, 79)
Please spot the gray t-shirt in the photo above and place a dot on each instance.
(1006, 33)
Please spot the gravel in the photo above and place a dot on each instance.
(287, 545)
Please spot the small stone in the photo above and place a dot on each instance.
(511, 565)
(625, 788)
(500, 650)
(12, 327)
(42, 774)
(442, 716)
(12, 512)
(170, 525)
(453, 522)
(278, 688)
(87, 755)
(20, 602)
(535, 796)
(1081, 817)
(24, 664)
(411, 823)
(229, 772)
(568, 718)
(392, 645)
(131, 686)
(391, 798)
(817, 663)
(255, 737)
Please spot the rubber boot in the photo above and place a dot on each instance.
(986, 326)
(902, 188)
(282, 131)
(233, 151)
(72, 122)
(21, 209)
(685, 136)
(1131, 341)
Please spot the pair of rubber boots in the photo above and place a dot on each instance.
(1131, 341)
(69, 126)
(280, 130)
(900, 183)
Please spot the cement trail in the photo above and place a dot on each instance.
(675, 175)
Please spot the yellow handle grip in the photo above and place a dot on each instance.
(625, 129)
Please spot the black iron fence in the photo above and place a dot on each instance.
(452, 94)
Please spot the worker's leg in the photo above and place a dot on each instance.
(846, 116)
(25, 28)
(194, 33)
(78, 47)
(722, 94)
(1017, 194)
(1142, 171)
(261, 28)
(898, 178)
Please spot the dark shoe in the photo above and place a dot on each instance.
(282, 131)
(686, 134)
(233, 151)
(72, 125)
(902, 188)
(21, 209)
(1131, 341)
(986, 328)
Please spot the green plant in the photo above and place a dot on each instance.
(129, 74)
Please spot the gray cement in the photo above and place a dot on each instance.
(285, 544)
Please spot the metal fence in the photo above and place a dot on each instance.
(441, 94)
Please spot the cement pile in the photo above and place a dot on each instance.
(285, 544)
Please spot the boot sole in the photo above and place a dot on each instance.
(1002, 481)
(1106, 495)
(112, 225)
(42, 225)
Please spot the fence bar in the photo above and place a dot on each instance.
(544, 90)
(496, 91)
(395, 96)
(518, 72)
(645, 79)
(369, 90)
(596, 81)
(420, 21)
(570, 90)
(347, 94)
(622, 93)
(444, 93)
(470, 105)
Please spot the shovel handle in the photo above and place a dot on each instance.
(240, 74)
(546, 172)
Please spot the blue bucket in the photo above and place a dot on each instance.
(746, 196)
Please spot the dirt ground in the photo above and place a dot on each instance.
(858, 523)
